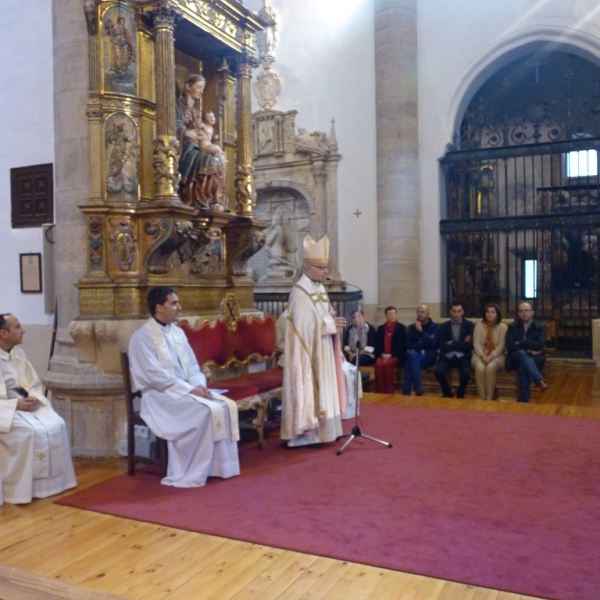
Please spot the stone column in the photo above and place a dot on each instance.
(72, 152)
(80, 392)
(165, 151)
(245, 194)
(398, 208)
(320, 177)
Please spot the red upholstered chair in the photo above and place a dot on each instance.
(210, 342)
(222, 350)
(133, 419)
(254, 339)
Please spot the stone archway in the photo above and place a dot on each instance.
(511, 202)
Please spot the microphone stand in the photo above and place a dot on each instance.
(356, 432)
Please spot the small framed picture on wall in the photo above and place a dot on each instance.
(31, 273)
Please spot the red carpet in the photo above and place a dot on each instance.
(510, 502)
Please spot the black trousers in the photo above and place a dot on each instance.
(444, 364)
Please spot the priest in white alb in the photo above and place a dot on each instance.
(200, 426)
(313, 379)
(35, 457)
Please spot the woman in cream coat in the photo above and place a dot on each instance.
(488, 351)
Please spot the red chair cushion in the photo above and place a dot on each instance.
(235, 390)
(264, 381)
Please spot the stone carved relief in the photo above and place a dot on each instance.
(268, 83)
(274, 133)
(280, 248)
(296, 182)
(280, 260)
(97, 341)
(106, 331)
(267, 88)
(121, 152)
(311, 143)
(107, 342)
(82, 333)
(119, 50)
(267, 40)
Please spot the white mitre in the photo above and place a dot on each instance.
(317, 253)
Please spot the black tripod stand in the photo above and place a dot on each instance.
(356, 432)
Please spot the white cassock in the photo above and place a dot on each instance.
(201, 435)
(351, 381)
(313, 381)
(35, 457)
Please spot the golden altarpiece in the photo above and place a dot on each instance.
(144, 227)
(169, 93)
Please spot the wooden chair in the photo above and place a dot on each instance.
(133, 419)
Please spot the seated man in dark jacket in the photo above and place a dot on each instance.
(456, 348)
(390, 351)
(421, 345)
(525, 341)
(360, 331)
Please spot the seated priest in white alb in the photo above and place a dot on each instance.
(35, 457)
(200, 426)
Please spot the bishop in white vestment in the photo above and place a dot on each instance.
(313, 380)
(200, 426)
(35, 457)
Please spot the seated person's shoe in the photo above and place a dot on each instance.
(419, 392)
(447, 396)
(542, 385)
(460, 396)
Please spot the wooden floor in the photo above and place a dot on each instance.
(138, 560)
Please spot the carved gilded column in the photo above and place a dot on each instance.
(94, 110)
(165, 160)
(227, 137)
(245, 194)
(91, 18)
(95, 117)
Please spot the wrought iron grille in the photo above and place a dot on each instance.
(539, 98)
(520, 227)
(343, 302)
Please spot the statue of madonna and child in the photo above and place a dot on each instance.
(202, 163)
